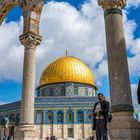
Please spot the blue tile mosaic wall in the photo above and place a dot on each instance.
(66, 89)
(57, 117)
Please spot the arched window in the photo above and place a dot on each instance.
(38, 93)
(50, 117)
(70, 117)
(75, 90)
(43, 92)
(89, 116)
(80, 116)
(60, 117)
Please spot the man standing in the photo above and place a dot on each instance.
(100, 115)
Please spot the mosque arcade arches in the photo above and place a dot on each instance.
(57, 117)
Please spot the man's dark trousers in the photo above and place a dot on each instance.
(101, 131)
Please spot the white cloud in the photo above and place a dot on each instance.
(134, 88)
(11, 52)
(135, 3)
(136, 47)
(75, 30)
(134, 94)
(134, 65)
(102, 69)
(63, 26)
(2, 103)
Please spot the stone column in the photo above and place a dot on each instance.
(43, 127)
(75, 124)
(54, 125)
(65, 132)
(26, 129)
(120, 91)
(123, 125)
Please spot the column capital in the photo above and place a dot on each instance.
(30, 39)
(109, 4)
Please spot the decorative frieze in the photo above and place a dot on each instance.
(66, 89)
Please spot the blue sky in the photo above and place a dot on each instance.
(10, 90)
(10, 82)
(133, 15)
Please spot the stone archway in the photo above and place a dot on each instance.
(6, 6)
(30, 39)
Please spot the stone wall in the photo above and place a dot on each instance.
(80, 131)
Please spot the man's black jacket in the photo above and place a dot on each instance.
(104, 111)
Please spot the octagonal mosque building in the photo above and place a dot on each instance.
(63, 105)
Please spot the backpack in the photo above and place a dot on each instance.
(109, 118)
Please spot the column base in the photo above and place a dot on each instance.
(26, 132)
(124, 127)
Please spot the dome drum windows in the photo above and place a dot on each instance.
(51, 90)
(66, 89)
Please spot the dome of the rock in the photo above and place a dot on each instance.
(67, 69)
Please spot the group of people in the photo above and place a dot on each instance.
(8, 138)
(101, 115)
(51, 138)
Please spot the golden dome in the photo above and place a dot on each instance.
(67, 69)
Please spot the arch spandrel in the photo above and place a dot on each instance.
(31, 12)
(6, 6)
